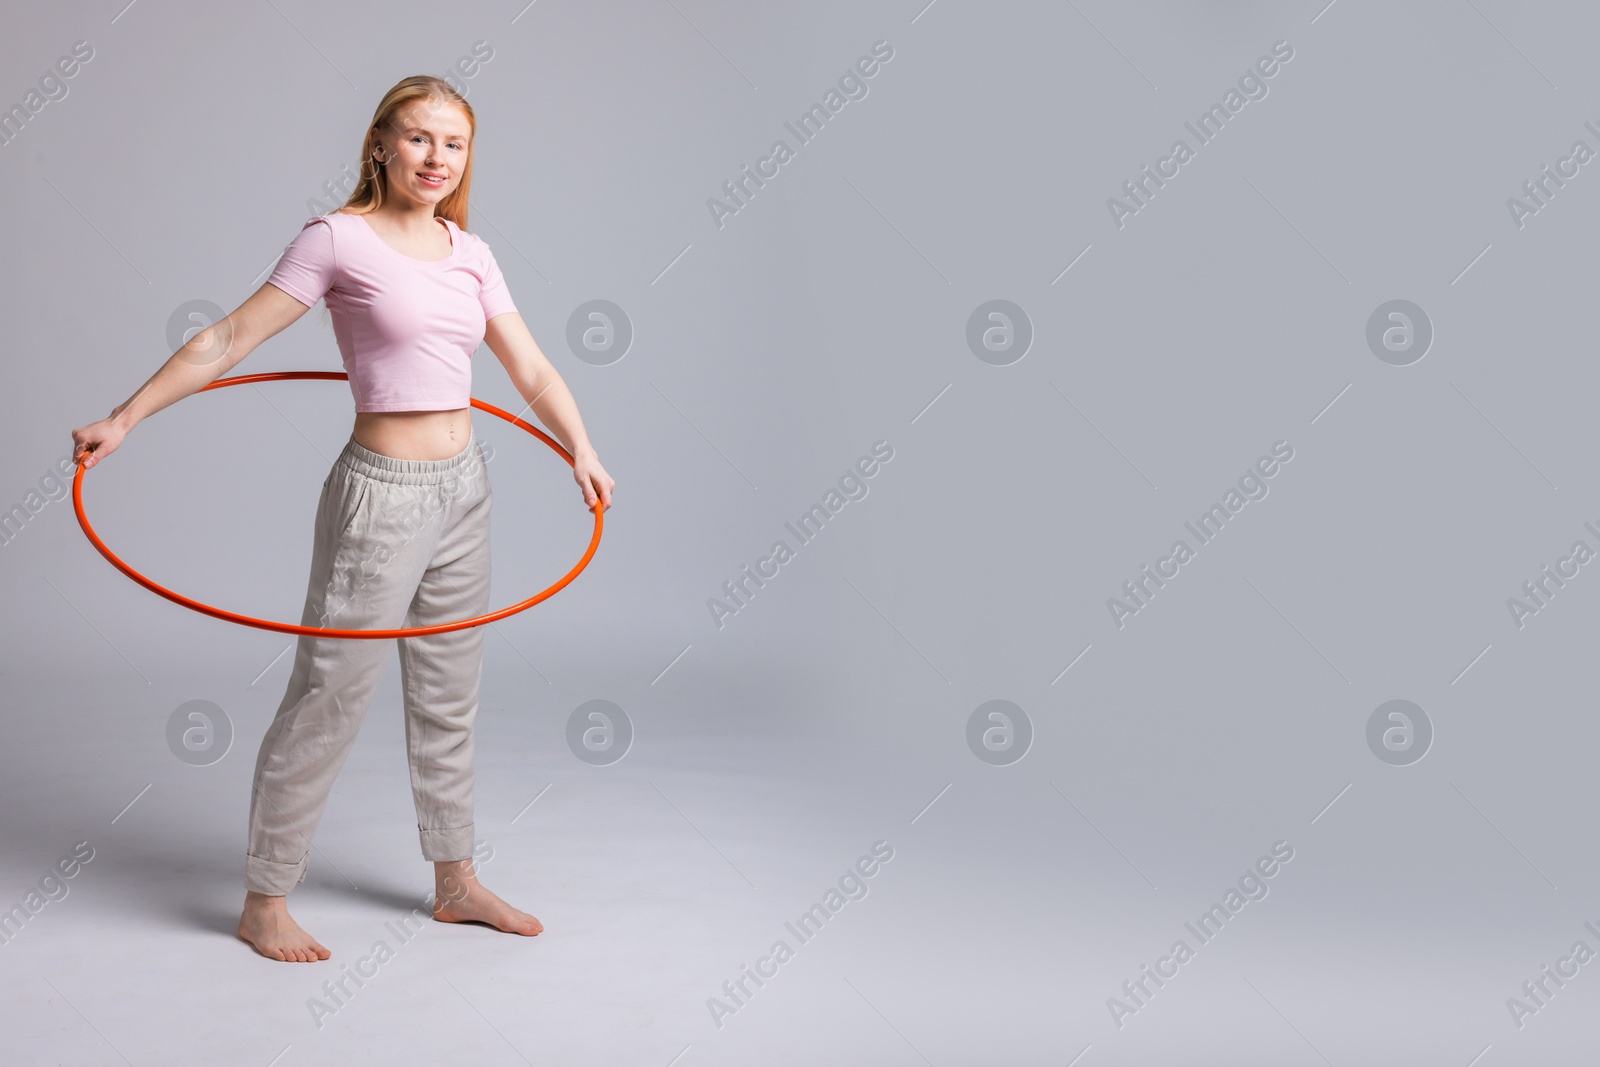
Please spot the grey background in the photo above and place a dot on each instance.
(831, 312)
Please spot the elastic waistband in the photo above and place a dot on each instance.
(363, 460)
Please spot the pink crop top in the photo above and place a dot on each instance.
(407, 327)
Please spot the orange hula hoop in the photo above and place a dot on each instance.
(313, 631)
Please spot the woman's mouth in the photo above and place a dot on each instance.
(436, 181)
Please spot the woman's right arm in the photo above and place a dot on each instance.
(204, 358)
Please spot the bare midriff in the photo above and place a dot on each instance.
(426, 435)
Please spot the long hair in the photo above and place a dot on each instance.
(373, 187)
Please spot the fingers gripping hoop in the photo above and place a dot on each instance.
(314, 631)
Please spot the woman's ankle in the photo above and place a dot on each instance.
(252, 899)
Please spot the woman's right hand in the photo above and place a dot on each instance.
(96, 441)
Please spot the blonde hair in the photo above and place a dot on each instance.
(373, 186)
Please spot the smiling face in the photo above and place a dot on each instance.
(425, 151)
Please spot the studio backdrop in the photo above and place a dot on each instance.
(1099, 570)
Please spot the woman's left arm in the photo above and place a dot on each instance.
(537, 381)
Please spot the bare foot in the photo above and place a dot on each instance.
(459, 898)
(267, 926)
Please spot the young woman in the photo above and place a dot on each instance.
(402, 528)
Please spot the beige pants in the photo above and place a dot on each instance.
(397, 543)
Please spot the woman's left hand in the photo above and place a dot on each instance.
(592, 479)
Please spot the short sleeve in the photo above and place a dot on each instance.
(494, 295)
(306, 269)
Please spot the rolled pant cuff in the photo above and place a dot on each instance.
(442, 846)
(271, 878)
